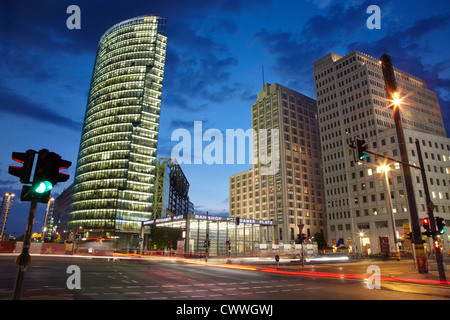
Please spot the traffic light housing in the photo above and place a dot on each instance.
(301, 238)
(409, 236)
(46, 173)
(440, 224)
(23, 172)
(426, 226)
(361, 148)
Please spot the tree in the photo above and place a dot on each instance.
(321, 243)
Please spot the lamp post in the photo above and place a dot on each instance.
(44, 229)
(392, 95)
(361, 235)
(9, 195)
(386, 168)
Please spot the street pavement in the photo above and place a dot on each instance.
(134, 277)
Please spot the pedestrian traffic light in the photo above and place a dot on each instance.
(23, 172)
(205, 244)
(238, 220)
(361, 148)
(440, 225)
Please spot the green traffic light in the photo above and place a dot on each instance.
(43, 186)
(363, 156)
(443, 231)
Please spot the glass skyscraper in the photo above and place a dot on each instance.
(114, 180)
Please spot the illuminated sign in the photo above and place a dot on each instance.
(208, 218)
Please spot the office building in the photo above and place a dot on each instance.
(59, 222)
(171, 190)
(114, 179)
(352, 103)
(291, 191)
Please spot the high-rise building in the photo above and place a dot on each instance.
(291, 192)
(171, 190)
(114, 179)
(352, 103)
(58, 223)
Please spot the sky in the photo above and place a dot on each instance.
(216, 52)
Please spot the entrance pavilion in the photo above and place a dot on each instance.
(228, 236)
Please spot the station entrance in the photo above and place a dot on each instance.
(227, 236)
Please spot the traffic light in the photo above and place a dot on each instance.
(23, 172)
(238, 220)
(426, 226)
(301, 238)
(205, 244)
(361, 148)
(440, 225)
(47, 175)
(408, 236)
(436, 245)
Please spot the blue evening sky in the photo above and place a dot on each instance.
(216, 49)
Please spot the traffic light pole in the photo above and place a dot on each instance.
(24, 258)
(391, 90)
(438, 253)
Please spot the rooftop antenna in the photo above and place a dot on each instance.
(263, 74)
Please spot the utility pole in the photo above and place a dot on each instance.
(392, 95)
(207, 237)
(24, 258)
(430, 207)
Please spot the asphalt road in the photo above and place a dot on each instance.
(171, 279)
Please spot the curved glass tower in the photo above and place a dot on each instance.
(114, 179)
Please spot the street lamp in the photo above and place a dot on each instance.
(8, 205)
(361, 235)
(386, 168)
(44, 229)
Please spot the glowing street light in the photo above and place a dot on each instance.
(44, 228)
(386, 169)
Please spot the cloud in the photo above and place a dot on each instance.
(21, 106)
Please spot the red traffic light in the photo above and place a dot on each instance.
(23, 172)
(425, 222)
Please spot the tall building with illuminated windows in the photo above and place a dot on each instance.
(114, 180)
(292, 193)
(352, 103)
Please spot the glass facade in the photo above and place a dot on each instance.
(114, 179)
(246, 238)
